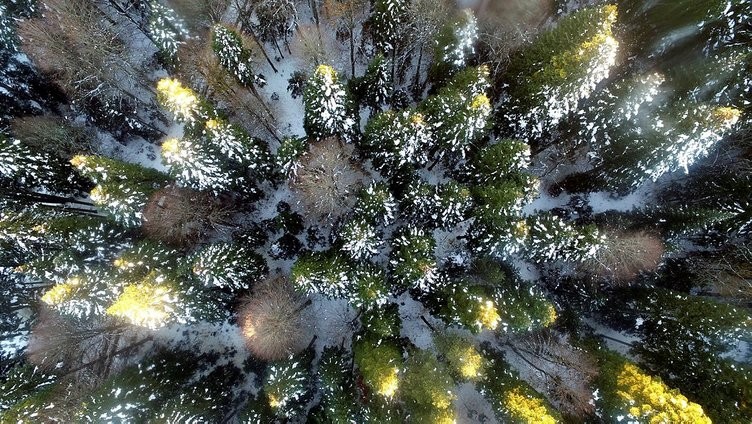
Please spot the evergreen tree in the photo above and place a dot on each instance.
(289, 153)
(374, 89)
(194, 164)
(379, 363)
(22, 168)
(337, 385)
(512, 399)
(376, 204)
(386, 23)
(235, 145)
(256, 410)
(205, 400)
(122, 189)
(7, 30)
(359, 239)
(412, 263)
(455, 45)
(182, 102)
(326, 106)
(562, 67)
(382, 322)
(397, 140)
(490, 298)
(20, 386)
(370, 288)
(459, 114)
(552, 239)
(233, 56)
(427, 389)
(227, 265)
(287, 382)
(327, 273)
(627, 391)
(464, 361)
(167, 30)
(452, 205)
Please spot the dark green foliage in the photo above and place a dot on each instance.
(287, 384)
(426, 387)
(383, 322)
(229, 266)
(288, 154)
(374, 88)
(20, 386)
(208, 399)
(386, 23)
(378, 362)
(412, 262)
(337, 385)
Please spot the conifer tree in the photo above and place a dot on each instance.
(562, 66)
(552, 239)
(376, 204)
(122, 189)
(227, 265)
(379, 364)
(464, 361)
(459, 115)
(627, 391)
(289, 153)
(235, 145)
(287, 382)
(7, 31)
(383, 322)
(426, 388)
(412, 263)
(20, 386)
(22, 168)
(195, 165)
(326, 106)
(181, 101)
(512, 399)
(327, 273)
(387, 18)
(167, 30)
(337, 385)
(374, 89)
(205, 400)
(455, 45)
(359, 238)
(233, 56)
(397, 140)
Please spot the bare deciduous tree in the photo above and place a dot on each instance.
(328, 180)
(273, 320)
(625, 255)
(180, 216)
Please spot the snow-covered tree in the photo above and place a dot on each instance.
(122, 189)
(7, 30)
(337, 385)
(288, 154)
(386, 23)
(233, 56)
(287, 382)
(629, 392)
(166, 28)
(464, 361)
(376, 204)
(182, 102)
(455, 45)
(553, 239)
(227, 265)
(374, 89)
(459, 116)
(360, 239)
(379, 364)
(235, 145)
(397, 140)
(562, 67)
(23, 168)
(412, 262)
(196, 165)
(326, 106)
(322, 272)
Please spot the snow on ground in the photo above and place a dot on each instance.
(333, 320)
(604, 201)
(471, 407)
(413, 327)
(615, 340)
(137, 150)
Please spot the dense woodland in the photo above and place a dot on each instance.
(375, 211)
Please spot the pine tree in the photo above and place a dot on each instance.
(455, 45)
(326, 106)
(233, 56)
(376, 204)
(337, 385)
(167, 30)
(289, 153)
(512, 399)
(370, 288)
(627, 391)
(205, 400)
(387, 20)
(182, 102)
(20, 385)
(412, 263)
(427, 389)
(459, 115)
(397, 140)
(490, 298)
(22, 168)
(122, 189)
(235, 145)
(562, 67)
(8, 40)
(379, 363)
(464, 361)
(452, 205)
(227, 265)
(359, 239)
(374, 89)
(195, 165)
(552, 239)
(327, 273)
(287, 382)
(381, 323)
